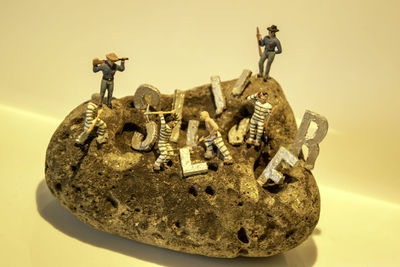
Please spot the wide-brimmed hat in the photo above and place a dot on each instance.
(273, 28)
(112, 57)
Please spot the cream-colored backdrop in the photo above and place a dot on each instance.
(340, 59)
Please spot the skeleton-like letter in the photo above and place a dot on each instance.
(312, 143)
(271, 172)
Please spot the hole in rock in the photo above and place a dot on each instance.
(240, 204)
(260, 164)
(242, 236)
(213, 166)
(273, 188)
(288, 234)
(123, 138)
(184, 125)
(73, 168)
(210, 190)
(193, 190)
(289, 179)
(262, 238)
(137, 210)
(112, 201)
(58, 187)
(178, 224)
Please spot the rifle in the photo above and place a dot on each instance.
(160, 112)
(258, 41)
(97, 61)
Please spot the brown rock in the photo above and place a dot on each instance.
(224, 213)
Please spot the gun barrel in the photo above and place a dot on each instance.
(159, 112)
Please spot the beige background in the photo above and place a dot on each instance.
(340, 59)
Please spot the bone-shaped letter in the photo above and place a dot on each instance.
(219, 98)
(145, 145)
(312, 143)
(143, 91)
(188, 168)
(271, 172)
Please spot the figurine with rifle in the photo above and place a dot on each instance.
(108, 67)
(270, 42)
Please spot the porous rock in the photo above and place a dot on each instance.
(224, 213)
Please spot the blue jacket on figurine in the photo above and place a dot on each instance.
(270, 43)
(108, 70)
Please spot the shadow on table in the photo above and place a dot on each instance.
(61, 219)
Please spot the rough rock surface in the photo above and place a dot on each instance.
(224, 213)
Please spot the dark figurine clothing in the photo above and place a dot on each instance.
(107, 82)
(270, 44)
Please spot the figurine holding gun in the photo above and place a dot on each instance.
(270, 42)
(108, 67)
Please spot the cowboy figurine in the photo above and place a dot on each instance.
(270, 42)
(108, 67)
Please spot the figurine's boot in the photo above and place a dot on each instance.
(80, 140)
(250, 141)
(102, 139)
(156, 167)
(258, 140)
(109, 104)
(228, 161)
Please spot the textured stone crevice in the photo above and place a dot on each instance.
(224, 213)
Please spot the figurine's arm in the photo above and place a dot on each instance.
(122, 66)
(90, 111)
(261, 42)
(214, 127)
(97, 68)
(252, 98)
(278, 46)
(162, 122)
(269, 108)
(97, 64)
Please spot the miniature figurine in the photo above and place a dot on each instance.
(214, 138)
(262, 109)
(108, 67)
(166, 150)
(93, 112)
(270, 42)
